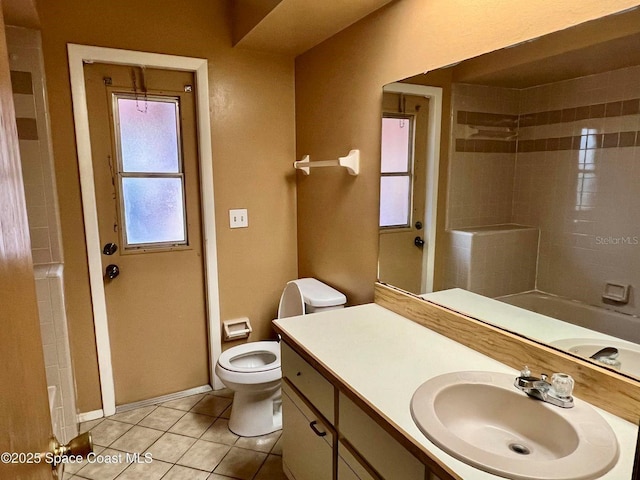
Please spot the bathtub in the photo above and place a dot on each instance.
(612, 323)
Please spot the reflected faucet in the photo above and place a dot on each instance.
(608, 356)
(557, 393)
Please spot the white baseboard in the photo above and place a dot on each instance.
(87, 416)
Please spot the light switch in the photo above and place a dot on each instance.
(238, 218)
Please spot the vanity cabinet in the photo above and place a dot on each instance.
(319, 446)
(307, 442)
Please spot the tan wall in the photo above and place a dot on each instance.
(252, 105)
(338, 104)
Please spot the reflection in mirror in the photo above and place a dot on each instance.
(543, 187)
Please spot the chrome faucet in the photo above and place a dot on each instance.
(608, 356)
(557, 392)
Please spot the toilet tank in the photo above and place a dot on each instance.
(308, 295)
(319, 296)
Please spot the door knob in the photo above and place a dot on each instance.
(109, 248)
(81, 446)
(418, 242)
(112, 271)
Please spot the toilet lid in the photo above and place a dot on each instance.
(291, 301)
(251, 357)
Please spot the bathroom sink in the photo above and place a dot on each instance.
(483, 420)
(629, 353)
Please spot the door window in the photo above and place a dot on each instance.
(150, 171)
(396, 171)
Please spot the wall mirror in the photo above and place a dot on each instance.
(539, 160)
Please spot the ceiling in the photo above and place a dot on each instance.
(601, 45)
(294, 26)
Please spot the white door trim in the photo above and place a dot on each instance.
(434, 94)
(78, 55)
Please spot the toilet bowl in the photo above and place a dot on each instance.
(252, 370)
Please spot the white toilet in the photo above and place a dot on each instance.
(253, 370)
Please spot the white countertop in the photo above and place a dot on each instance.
(524, 322)
(385, 357)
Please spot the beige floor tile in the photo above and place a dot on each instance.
(227, 413)
(178, 472)
(133, 416)
(170, 447)
(224, 392)
(263, 443)
(86, 426)
(106, 432)
(271, 469)
(106, 466)
(204, 455)
(75, 467)
(277, 448)
(215, 476)
(192, 425)
(211, 405)
(241, 463)
(137, 440)
(219, 432)
(162, 418)
(153, 470)
(185, 403)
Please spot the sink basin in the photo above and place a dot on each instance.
(629, 353)
(483, 420)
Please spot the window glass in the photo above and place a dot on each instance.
(153, 210)
(149, 139)
(394, 201)
(396, 134)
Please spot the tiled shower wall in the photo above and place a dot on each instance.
(576, 176)
(584, 197)
(27, 78)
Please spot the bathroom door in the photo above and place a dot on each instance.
(25, 422)
(145, 162)
(401, 247)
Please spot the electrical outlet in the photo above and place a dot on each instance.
(238, 218)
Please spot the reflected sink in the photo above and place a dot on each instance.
(629, 353)
(483, 420)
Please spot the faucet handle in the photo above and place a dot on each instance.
(525, 372)
(562, 384)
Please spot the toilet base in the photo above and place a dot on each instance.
(256, 413)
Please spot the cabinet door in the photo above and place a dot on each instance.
(307, 443)
(379, 449)
(350, 468)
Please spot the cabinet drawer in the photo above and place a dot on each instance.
(390, 459)
(310, 383)
(350, 468)
(307, 443)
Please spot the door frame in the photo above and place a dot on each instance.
(78, 56)
(434, 94)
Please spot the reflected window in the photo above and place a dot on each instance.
(396, 171)
(150, 176)
(586, 181)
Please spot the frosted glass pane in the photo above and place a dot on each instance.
(153, 210)
(394, 201)
(148, 136)
(395, 144)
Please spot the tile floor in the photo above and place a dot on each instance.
(187, 439)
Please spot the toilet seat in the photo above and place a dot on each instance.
(249, 357)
